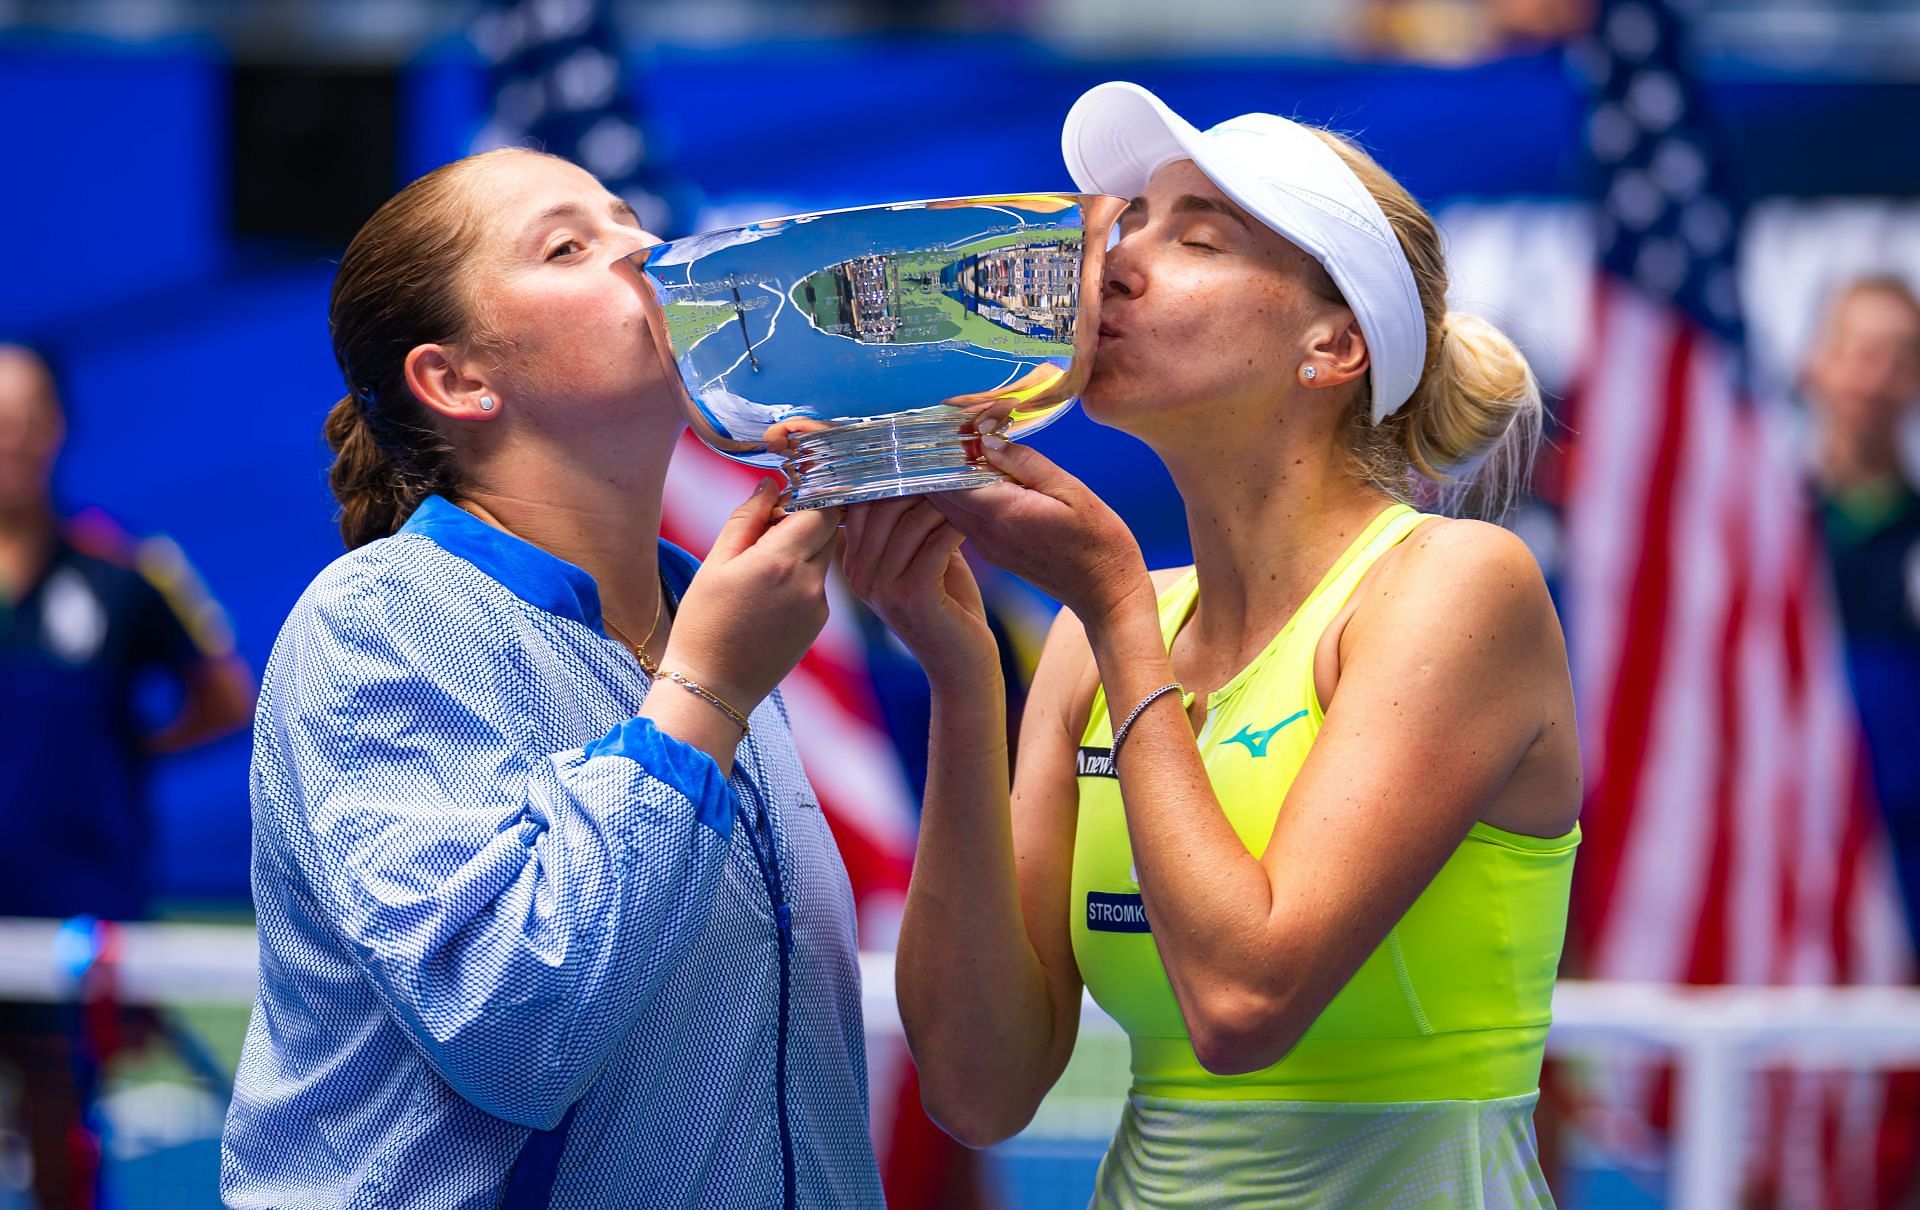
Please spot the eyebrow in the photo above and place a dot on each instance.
(1190, 203)
(618, 206)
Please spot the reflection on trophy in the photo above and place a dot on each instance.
(879, 342)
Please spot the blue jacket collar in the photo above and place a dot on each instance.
(542, 580)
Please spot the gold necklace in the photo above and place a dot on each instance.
(639, 649)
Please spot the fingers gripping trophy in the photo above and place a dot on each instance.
(866, 351)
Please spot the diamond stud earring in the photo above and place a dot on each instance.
(486, 403)
(1309, 373)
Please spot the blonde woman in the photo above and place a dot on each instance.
(1302, 816)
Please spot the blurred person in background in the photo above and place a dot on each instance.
(1344, 1001)
(98, 633)
(85, 613)
(1465, 31)
(1861, 382)
(548, 911)
(110, 655)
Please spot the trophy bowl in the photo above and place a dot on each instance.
(882, 340)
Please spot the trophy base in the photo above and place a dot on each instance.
(913, 454)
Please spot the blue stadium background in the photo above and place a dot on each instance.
(196, 361)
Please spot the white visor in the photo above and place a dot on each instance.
(1118, 135)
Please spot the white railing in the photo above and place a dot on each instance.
(1713, 1035)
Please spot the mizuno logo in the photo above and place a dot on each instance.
(1257, 741)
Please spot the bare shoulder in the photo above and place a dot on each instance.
(1454, 645)
(1462, 628)
(1460, 600)
(1463, 564)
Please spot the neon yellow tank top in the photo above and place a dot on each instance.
(1452, 1006)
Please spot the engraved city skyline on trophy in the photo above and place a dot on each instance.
(884, 336)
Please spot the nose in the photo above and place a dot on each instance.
(1122, 276)
(629, 241)
(631, 255)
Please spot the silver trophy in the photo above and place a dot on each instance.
(884, 339)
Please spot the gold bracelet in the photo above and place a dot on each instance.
(708, 696)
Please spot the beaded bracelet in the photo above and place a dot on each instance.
(707, 695)
(1121, 732)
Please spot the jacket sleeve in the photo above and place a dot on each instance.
(515, 909)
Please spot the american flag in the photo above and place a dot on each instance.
(1729, 832)
(558, 84)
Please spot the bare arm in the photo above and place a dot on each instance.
(1453, 667)
(988, 990)
(757, 601)
(1444, 687)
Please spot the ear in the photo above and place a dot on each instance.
(1337, 351)
(448, 383)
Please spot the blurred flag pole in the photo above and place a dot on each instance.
(1729, 832)
(559, 84)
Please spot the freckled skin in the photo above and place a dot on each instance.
(1212, 312)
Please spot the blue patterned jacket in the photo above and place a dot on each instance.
(516, 944)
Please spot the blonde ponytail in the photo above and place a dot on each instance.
(1464, 442)
(1473, 424)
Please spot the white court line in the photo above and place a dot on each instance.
(988, 231)
(1017, 367)
(1017, 363)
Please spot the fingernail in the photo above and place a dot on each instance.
(992, 442)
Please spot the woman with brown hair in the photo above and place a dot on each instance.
(1301, 816)
(547, 914)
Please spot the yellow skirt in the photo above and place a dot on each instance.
(1425, 1155)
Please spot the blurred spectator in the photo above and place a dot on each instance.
(1466, 31)
(98, 633)
(1862, 381)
